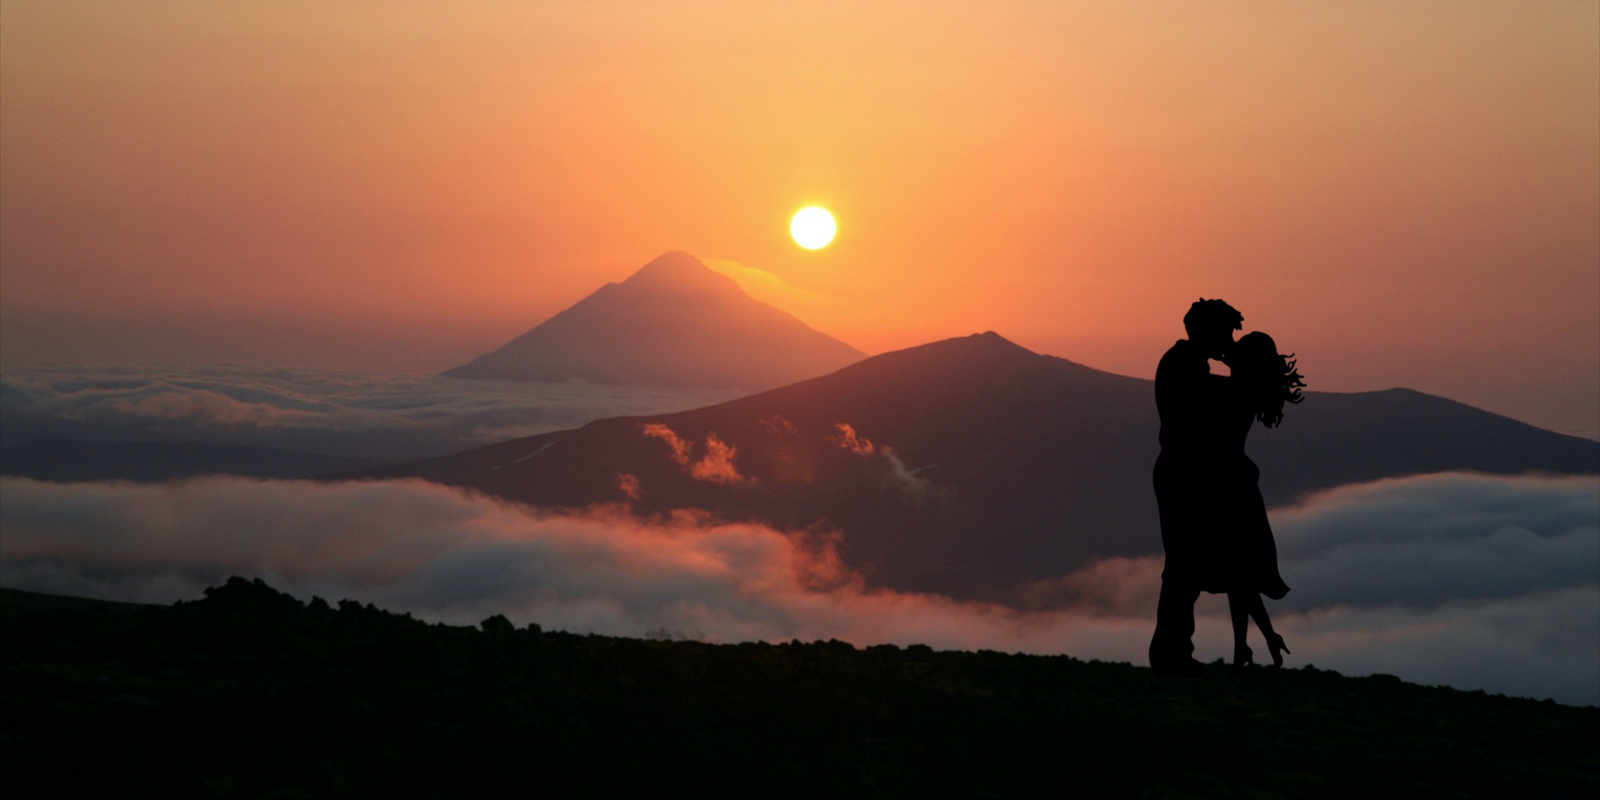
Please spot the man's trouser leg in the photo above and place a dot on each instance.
(1172, 647)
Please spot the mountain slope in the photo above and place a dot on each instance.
(973, 466)
(675, 322)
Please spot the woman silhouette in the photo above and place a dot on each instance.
(1262, 381)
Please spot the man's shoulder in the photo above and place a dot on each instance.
(1181, 355)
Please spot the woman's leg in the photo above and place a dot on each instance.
(1258, 610)
(1239, 608)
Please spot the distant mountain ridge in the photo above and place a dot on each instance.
(972, 466)
(675, 322)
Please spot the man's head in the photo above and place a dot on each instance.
(1211, 324)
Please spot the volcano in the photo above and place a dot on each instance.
(675, 322)
(973, 467)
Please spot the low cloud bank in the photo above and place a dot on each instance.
(1428, 540)
(1472, 581)
(369, 415)
(453, 556)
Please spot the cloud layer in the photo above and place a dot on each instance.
(1432, 540)
(1472, 581)
(340, 413)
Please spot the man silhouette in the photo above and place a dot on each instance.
(1190, 401)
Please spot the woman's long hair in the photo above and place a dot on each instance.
(1270, 379)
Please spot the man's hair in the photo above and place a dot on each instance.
(1211, 315)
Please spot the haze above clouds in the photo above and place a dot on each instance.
(1410, 576)
(364, 414)
(1403, 194)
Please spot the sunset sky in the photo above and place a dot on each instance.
(1401, 193)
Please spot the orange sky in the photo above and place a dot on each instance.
(1404, 194)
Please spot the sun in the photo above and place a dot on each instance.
(812, 227)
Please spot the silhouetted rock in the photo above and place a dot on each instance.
(675, 322)
(240, 595)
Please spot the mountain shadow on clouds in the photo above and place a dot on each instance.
(65, 460)
(972, 467)
(675, 322)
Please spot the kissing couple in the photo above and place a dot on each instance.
(1213, 521)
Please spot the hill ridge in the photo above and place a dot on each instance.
(258, 693)
(973, 466)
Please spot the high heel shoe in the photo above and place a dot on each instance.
(1241, 657)
(1278, 648)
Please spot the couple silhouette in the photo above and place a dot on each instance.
(1213, 521)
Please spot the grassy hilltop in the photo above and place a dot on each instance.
(250, 693)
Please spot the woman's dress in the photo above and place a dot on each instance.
(1246, 555)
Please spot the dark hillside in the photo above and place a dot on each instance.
(1334, 438)
(1007, 466)
(249, 693)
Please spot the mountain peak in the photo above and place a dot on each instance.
(987, 344)
(676, 271)
(674, 322)
(991, 339)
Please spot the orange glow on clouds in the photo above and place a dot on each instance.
(715, 466)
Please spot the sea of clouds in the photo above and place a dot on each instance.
(1472, 581)
(367, 415)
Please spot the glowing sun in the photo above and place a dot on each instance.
(812, 227)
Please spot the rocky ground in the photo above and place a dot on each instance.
(250, 693)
